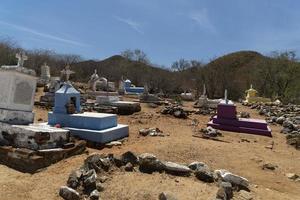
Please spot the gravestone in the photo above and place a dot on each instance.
(131, 89)
(205, 102)
(45, 75)
(17, 91)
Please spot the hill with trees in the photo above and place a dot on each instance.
(274, 76)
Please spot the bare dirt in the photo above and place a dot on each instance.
(242, 158)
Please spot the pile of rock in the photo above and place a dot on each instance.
(206, 111)
(152, 132)
(210, 132)
(175, 110)
(86, 182)
(287, 116)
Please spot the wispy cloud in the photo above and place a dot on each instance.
(201, 18)
(41, 34)
(132, 24)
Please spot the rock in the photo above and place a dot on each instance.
(99, 186)
(176, 169)
(280, 120)
(102, 179)
(118, 161)
(166, 196)
(129, 157)
(149, 163)
(97, 162)
(210, 132)
(243, 195)
(225, 191)
(68, 193)
(269, 166)
(292, 176)
(204, 174)
(286, 130)
(245, 115)
(95, 195)
(196, 165)
(113, 143)
(128, 167)
(73, 180)
(89, 180)
(288, 124)
(235, 180)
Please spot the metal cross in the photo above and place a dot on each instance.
(226, 99)
(204, 90)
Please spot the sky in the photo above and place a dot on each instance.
(166, 30)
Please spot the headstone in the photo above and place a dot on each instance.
(17, 93)
(131, 89)
(45, 75)
(204, 102)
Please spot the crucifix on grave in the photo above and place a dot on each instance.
(65, 73)
(21, 58)
(225, 97)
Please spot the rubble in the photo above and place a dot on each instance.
(151, 132)
(86, 182)
(175, 110)
(286, 115)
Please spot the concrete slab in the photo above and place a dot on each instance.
(101, 136)
(87, 120)
(16, 117)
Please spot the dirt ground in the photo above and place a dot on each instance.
(242, 158)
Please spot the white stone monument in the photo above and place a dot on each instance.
(17, 92)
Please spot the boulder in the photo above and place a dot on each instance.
(196, 165)
(95, 195)
(176, 169)
(292, 176)
(73, 180)
(68, 193)
(128, 167)
(204, 174)
(280, 120)
(89, 180)
(149, 163)
(129, 157)
(235, 180)
(225, 191)
(99, 186)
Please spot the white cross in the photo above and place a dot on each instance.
(67, 72)
(21, 58)
(226, 99)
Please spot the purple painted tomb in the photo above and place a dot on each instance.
(226, 120)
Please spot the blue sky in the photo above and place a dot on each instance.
(166, 30)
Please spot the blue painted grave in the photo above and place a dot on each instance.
(94, 127)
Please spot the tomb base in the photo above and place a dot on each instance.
(34, 136)
(16, 117)
(94, 127)
(226, 120)
(101, 136)
(29, 161)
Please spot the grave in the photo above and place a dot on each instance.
(101, 86)
(204, 102)
(94, 127)
(227, 120)
(187, 96)
(146, 97)
(251, 97)
(24, 146)
(17, 91)
(45, 75)
(132, 89)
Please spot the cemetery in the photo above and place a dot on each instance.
(73, 123)
(149, 100)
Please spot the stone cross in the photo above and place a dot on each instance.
(66, 73)
(225, 96)
(21, 58)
